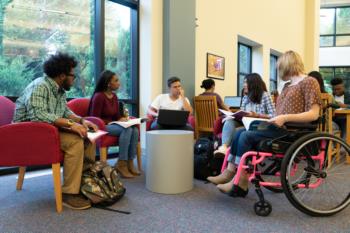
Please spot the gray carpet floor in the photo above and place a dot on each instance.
(203, 209)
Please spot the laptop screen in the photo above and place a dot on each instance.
(233, 101)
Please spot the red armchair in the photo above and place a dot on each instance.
(29, 144)
(80, 106)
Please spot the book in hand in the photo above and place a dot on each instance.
(233, 115)
(93, 136)
(251, 123)
(130, 122)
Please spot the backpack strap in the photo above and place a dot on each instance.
(110, 209)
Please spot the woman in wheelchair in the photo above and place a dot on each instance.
(299, 102)
(256, 100)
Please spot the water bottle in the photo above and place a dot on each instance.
(126, 113)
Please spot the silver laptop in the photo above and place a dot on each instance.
(233, 101)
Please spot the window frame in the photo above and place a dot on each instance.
(333, 70)
(250, 60)
(334, 35)
(99, 36)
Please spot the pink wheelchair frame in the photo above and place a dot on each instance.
(263, 207)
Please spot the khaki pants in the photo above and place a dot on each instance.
(77, 152)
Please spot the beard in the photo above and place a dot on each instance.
(66, 85)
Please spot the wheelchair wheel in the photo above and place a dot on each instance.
(315, 174)
(262, 208)
(268, 169)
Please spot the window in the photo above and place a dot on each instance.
(121, 49)
(32, 30)
(273, 73)
(328, 73)
(335, 26)
(244, 65)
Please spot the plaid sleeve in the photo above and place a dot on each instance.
(270, 107)
(244, 103)
(38, 105)
(67, 112)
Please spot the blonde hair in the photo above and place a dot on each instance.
(289, 65)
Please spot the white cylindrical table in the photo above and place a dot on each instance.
(169, 161)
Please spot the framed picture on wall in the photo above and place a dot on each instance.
(215, 66)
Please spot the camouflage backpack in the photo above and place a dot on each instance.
(101, 185)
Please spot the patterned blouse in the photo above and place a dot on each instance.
(299, 98)
(265, 107)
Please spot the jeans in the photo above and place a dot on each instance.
(156, 126)
(245, 141)
(128, 139)
(229, 130)
(341, 122)
(234, 144)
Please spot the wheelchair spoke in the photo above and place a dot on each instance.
(327, 187)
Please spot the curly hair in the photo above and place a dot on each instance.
(59, 63)
(336, 81)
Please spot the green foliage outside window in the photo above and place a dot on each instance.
(31, 30)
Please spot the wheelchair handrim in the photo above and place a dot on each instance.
(339, 207)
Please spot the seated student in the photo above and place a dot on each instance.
(44, 100)
(299, 102)
(209, 87)
(105, 105)
(257, 101)
(342, 100)
(174, 100)
(341, 96)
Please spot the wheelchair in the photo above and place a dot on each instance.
(311, 168)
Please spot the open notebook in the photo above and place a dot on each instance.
(130, 122)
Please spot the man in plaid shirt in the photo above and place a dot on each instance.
(44, 100)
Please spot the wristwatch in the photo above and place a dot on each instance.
(70, 123)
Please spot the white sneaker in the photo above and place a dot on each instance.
(220, 152)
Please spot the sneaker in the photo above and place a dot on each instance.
(220, 152)
(75, 201)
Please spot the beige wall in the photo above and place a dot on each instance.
(151, 51)
(275, 24)
(151, 55)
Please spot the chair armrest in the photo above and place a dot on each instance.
(149, 122)
(192, 121)
(97, 121)
(29, 143)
